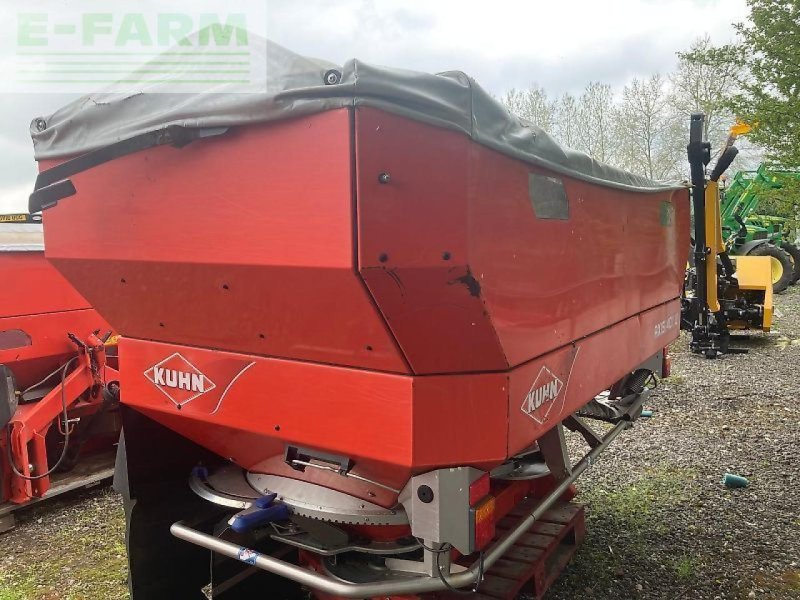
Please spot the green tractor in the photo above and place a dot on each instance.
(749, 234)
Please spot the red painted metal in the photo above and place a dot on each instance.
(82, 392)
(466, 274)
(389, 424)
(584, 369)
(31, 286)
(37, 309)
(252, 252)
(36, 315)
(392, 425)
(406, 320)
(47, 345)
(666, 364)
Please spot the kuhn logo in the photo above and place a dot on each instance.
(540, 399)
(179, 380)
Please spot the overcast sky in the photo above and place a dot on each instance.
(559, 44)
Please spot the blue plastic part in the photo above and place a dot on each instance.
(647, 414)
(200, 472)
(250, 520)
(265, 501)
(735, 481)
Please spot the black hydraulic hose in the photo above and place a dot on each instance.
(722, 165)
(64, 416)
(110, 400)
(727, 264)
(724, 162)
(42, 381)
(457, 591)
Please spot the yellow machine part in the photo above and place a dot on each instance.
(755, 274)
(776, 268)
(714, 241)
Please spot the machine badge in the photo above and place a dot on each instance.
(179, 380)
(248, 556)
(541, 398)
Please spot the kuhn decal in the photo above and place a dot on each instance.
(179, 380)
(540, 400)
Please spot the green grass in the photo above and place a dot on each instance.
(792, 580)
(685, 568)
(631, 506)
(786, 584)
(78, 555)
(675, 379)
(637, 513)
(24, 592)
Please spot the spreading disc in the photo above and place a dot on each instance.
(232, 486)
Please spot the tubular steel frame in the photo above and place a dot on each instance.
(465, 578)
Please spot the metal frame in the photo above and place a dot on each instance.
(465, 578)
(29, 426)
(87, 474)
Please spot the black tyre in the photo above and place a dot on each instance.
(782, 268)
(794, 252)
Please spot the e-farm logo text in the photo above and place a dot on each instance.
(163, 50)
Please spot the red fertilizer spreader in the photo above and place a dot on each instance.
(57, 412)
(358, 316)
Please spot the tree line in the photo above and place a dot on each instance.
(643, 127)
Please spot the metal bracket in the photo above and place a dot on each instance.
(299, 458)
(574, 423)
(553, 447)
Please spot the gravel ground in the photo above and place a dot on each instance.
(659, 523)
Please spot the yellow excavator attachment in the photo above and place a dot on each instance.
(755, 277)
(754, 273)
(719, 296)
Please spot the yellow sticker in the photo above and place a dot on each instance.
(17, 218)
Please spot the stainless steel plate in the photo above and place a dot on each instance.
(233, 487)
(317, 502)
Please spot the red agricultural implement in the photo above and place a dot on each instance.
(56, 423)
(358, 317)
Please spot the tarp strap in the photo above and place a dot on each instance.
(53, 184)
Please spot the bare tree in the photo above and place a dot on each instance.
(705, 80)
(643, 129)
(532, 104)
(568, 122)
(595, 117)
(702, 83)
(642, 126)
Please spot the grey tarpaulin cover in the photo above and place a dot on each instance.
(21, 237)
(295, 87)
